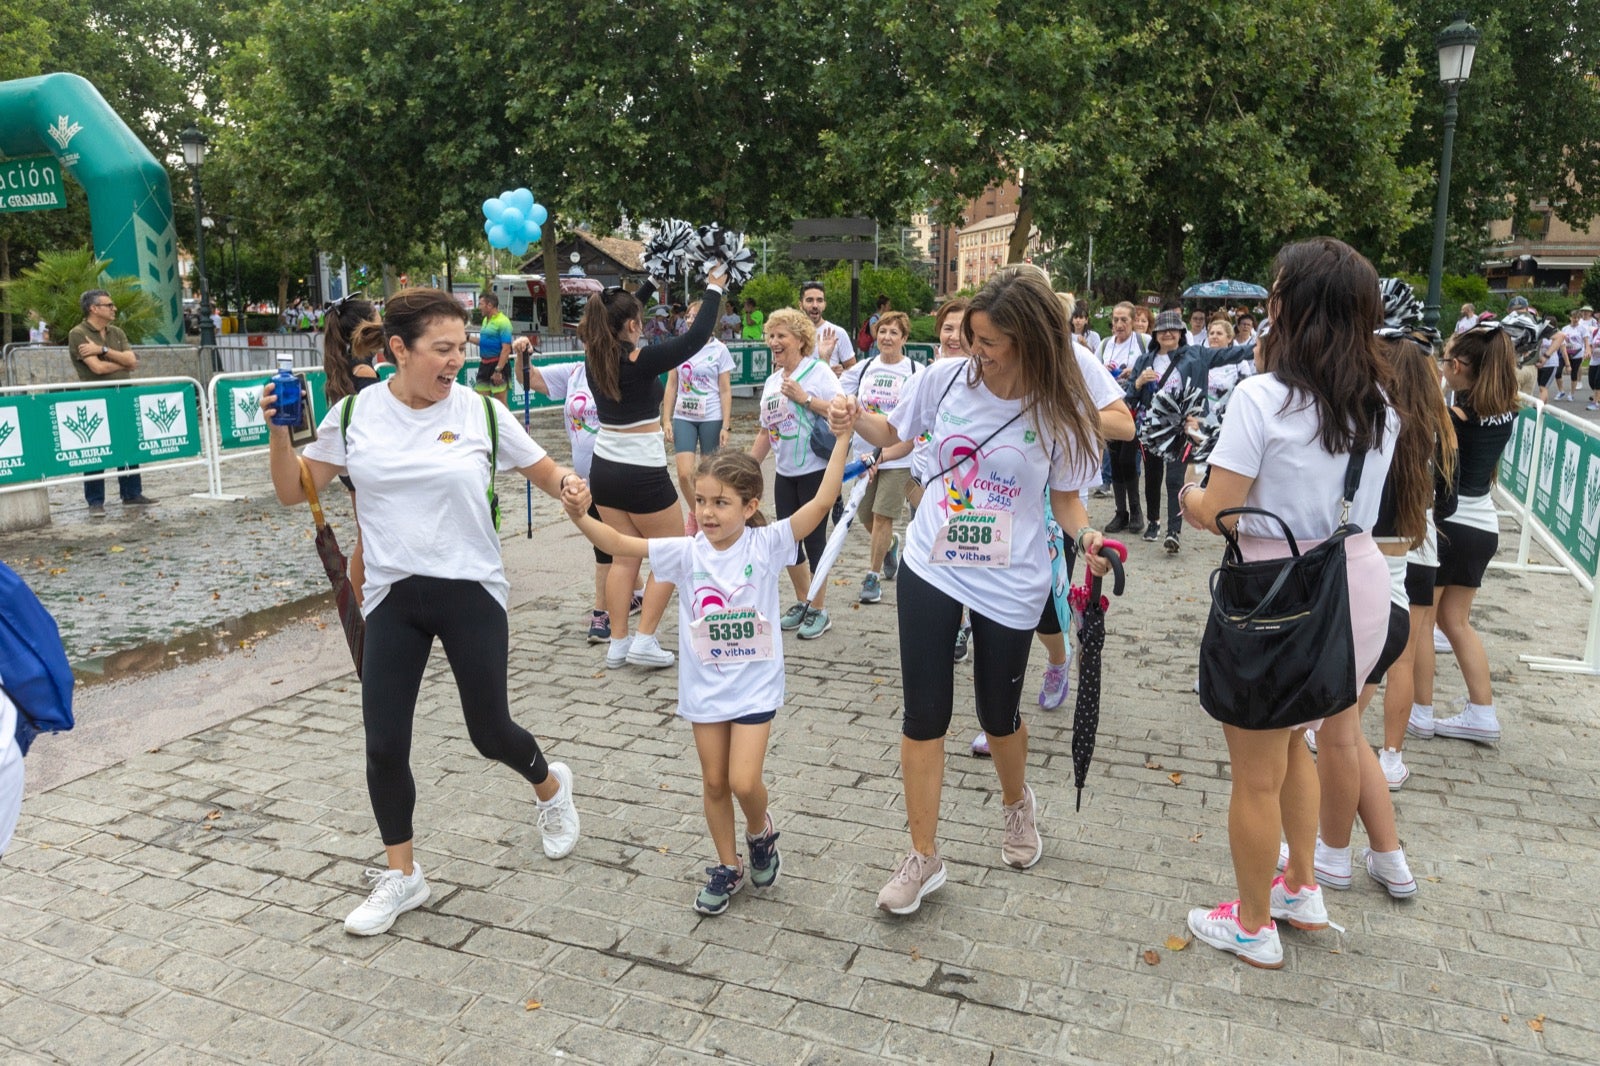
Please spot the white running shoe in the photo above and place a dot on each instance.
(1389, 869)
(1441, 643)
(617, 652)
(558, 817)
(647, 651)
(1475, 722)
(1331, 865)
(1302, 908)
(1393, 767)
(1220, 928)
(1311, 740)
(1420, 724)
(393, 893)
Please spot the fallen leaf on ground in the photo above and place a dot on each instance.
(1178, 943)
(1152, 764)
(116, 548)
(1431, 880)
(54, 570)
(212, 816)
(1505, 1019)
(1196, 838)
(532, 1004)
(916, 955)
(662, 849)
(278, 682)
(1536, 1024)
(1152, 958)
(1176, 779)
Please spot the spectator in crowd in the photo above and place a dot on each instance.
(101, 352)
(1468, 319)
(833, 342)
(754, 328)
(1196, 334)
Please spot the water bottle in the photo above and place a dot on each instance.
(290, 397)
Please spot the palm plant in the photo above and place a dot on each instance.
(52, 286)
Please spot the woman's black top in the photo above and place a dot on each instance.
(1479, 442)
(639, 381)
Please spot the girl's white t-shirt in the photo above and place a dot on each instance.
(976, 468)
(790, 432)
(699, 396)
(878, 386)
(1295, 478)
(422, 479)
(746, 575)
(569, 383)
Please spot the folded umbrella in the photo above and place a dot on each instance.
(337, 568)
(1091, 640)
(841, 528)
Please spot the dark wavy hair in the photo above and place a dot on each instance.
(1324, 307)
(338, 332)
(600, 330)
(1427, 439)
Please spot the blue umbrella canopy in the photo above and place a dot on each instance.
(1225, 289)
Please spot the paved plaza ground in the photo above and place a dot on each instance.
(185, 859)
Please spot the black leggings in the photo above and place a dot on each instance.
(1155, 472)
(788, 495)
(1594, 373)
(929, 620)
(400, 631)
(1124, 460)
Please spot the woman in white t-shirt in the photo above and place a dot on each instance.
(699, 401)
(418, 448)
(1014, 420)
(569, 383)
(1285, 448)
(793, 400)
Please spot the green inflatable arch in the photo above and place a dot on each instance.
(130, 199)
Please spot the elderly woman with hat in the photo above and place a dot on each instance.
(1170, 364)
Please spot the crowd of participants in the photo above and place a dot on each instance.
(1024, 414)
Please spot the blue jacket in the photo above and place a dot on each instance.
(1191, 365)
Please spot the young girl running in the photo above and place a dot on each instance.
(730, 674)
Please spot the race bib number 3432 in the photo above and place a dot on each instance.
(974, 538)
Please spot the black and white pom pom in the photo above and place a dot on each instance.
(669, 250)
(714, 246)
(1527, 334)
(1205, 438)
(1165, 431)
(1401, 308)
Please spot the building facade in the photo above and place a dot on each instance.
(1539, 251)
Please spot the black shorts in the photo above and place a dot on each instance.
(1394, 644)
(629, 488)
(1464, 554)
(1545, 374)
(1419, 584)
(600, 558)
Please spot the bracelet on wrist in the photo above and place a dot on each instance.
(1077, 538)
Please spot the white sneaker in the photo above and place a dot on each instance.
(1441, 643)
(1303, 908)
(1311, 740)
(647, 651)
(393, 893)
(1420, 724)
(1220, 928)
(1475, 722)
(1389, 869)
(558, 818)
(617, 652)
(1393, 767)
(1331, 865)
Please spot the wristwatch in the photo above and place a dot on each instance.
(104, 349)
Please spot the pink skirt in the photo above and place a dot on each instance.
(1367, 576)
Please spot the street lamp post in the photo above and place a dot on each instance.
(238, 286)
(194, 154)
(1457, 43)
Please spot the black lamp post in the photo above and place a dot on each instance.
(1457, 44)
(238, 286)
(194, 154)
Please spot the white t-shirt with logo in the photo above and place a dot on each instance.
(878, 386)
(699, 396)
(1293, 477)
(789, 432)
(422, 479)
(746, 575)
(977, 468)
(569, 383)
(1118, 356)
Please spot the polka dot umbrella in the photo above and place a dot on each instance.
(1088, 602)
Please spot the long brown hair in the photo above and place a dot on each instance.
(738, 470)
(1022, 305)
(344, 318)
(600, 330)
(1427, 437)
(1490, 360)
(1324, 307)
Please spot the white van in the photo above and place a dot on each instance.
(522, 298)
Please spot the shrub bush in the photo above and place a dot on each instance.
(770, 292)
(53, 285)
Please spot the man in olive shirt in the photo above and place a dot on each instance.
(101, 352)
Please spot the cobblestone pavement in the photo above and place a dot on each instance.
(185, 903)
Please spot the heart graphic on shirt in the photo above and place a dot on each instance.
(716, 652)
(950, 554)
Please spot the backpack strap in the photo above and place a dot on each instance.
(494, 460)
(347, 410)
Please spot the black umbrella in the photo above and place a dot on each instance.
(1091, 640)
(334, 563)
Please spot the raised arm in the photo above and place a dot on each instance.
(575, 499)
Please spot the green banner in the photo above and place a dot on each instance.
(32, 184)
(59, 434)
(239, 421)
(1566, 496)
(1516, 462)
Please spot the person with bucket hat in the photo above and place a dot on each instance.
(1169, 364)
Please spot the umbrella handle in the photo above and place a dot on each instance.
(1116, 552)
(311, 493)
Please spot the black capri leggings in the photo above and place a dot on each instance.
(1156, 472)
(400, 631)
(788, 494)
(1594, 373)
(929, 620)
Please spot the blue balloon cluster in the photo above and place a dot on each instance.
(512, 220)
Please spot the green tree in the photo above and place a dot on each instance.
(770, 292)
(54, 284)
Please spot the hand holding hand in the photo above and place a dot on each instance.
(842, 414)
(575, 498)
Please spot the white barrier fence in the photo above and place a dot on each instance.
(1550, 482)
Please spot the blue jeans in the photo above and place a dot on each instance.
(129, 487)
